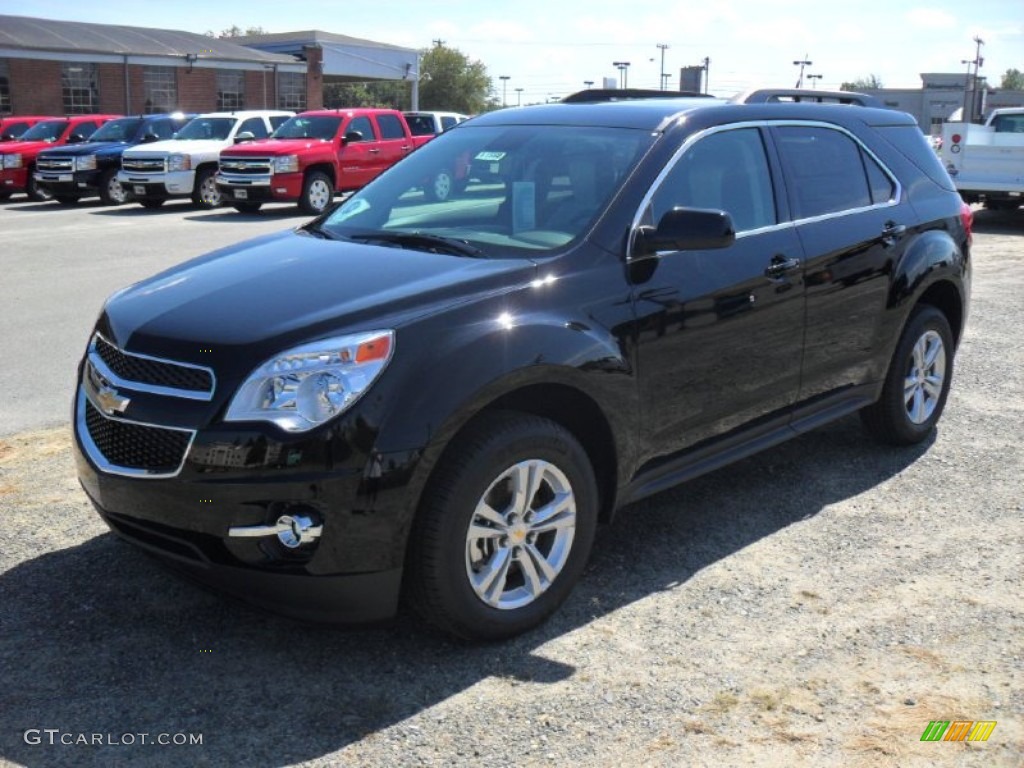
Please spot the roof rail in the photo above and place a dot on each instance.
(788, 95)
(593, 95)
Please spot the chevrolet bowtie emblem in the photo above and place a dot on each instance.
(110, 400)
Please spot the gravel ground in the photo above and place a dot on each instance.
(816, 605)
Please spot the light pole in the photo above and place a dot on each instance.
(623, 67)
(661, 80)
(588, 83)
(519, 97)
(804, 62)
(504, 88)
(707, 77)
(812, 78)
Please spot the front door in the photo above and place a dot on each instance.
(720, 331)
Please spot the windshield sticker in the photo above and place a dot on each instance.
(490, 157)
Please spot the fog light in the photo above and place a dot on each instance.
(295, 530)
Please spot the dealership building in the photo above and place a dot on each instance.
(52, 67)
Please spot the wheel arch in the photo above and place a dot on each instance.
(325, 168)
(944, 296)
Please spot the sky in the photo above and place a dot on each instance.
(550, 48)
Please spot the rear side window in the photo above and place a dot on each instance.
(911, 143)
(420, 125)
(448, 122)
(390, 127)
(824, 170)
(725, 171)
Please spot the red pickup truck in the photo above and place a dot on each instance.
(18, 158)
(312, 156)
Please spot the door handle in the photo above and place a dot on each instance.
(891, 231)
(781, 265)
(373, 151)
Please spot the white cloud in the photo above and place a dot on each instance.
(930, 18)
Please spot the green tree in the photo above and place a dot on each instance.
(393, 94)
(863, 83)
(1013, 80)
(236, 31)
(449, 81)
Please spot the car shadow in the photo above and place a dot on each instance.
(228, 214)
(999, 222)
(99, 640)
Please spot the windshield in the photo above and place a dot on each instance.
(117, 130)
(299, 127)
(48, 130)
(502, 190)
(217, 128)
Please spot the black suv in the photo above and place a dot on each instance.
(442, 399)
(72, 172)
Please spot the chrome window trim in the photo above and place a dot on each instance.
(691, 140)
(101, 462)
(155, 389)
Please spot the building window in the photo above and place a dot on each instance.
(5, 88)
(78, 83)
(291, 91)
(230, 90)
(161, 89)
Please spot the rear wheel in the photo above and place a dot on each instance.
(317, 193)
(111, 191)
(205, 194)
(151, 203)
(34, 191)
(504, 529)
(247, 207)
(917, 384)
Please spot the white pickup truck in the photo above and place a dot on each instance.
(986, 162)
(185, 166)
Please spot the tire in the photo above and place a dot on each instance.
(111, 191)
(205, 195)
(247, 207)
(34, 191)
(151, 204)
(918, 381)
(66, 199)
(477, 567)
(442, 186)
(4, 194)
(317, 193)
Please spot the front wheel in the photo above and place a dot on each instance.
(111, 191)
(206, 194)
(34, 191)
(504, 529)
(317, 193)
(441, 186)
(917, 384)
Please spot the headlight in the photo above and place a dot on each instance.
(179, 163)
(85, 163)
(12, 160)
(286, 164)
(305, 386)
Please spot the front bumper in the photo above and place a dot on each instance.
(79, 183)
(13, 180)
(280, 187)
(158, 186)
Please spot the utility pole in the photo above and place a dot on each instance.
(438, 43)
(661, 79)
(519, 97)
(804, 62)
(504, 88)
(707, 77)
(978, 61)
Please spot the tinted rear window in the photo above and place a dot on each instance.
(911, 143)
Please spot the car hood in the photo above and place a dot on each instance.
(273, 147)
(283, 289)
(185, 147)
(90, 148)
(10, 147)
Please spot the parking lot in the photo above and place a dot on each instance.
(818, 604)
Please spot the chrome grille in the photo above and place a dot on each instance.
(130, 368)
(129, 448)
(143, 164)
(54, 163)
(246, 165)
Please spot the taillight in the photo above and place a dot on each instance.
(956, 138)
(967, 217)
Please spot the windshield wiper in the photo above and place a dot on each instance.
(419, 241)
(317, 230)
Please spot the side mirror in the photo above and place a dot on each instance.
(352, 137)
(686, 229)
(76, 138)
(8, 137)
(149, 138)
(244, 136)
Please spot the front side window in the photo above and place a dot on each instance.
(255, 126)
(230, 90)
(217, 128)
(161, 89)
(514, 191)
(79, 89)
(118, 130)
(827, 171)
(726, 171)
(361, 125)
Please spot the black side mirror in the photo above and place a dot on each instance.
(686, 229)
(149, 138)
(352, 136)
(76, 138)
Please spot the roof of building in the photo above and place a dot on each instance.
(27, 33)
(313, 37)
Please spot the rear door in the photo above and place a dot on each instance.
(721, 331)
(852, 225)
